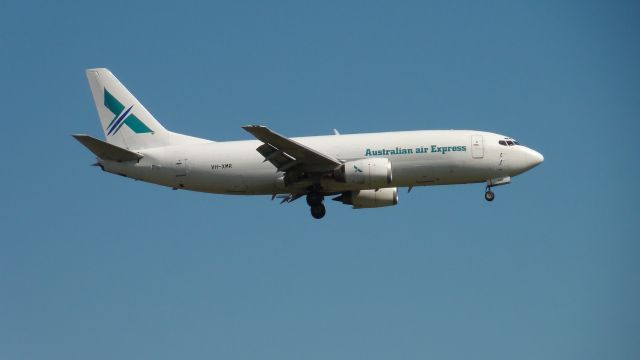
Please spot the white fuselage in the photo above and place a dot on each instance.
(418, 158)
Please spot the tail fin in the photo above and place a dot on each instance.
(126, 123)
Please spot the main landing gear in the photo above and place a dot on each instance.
(488, 194)
(315, 200)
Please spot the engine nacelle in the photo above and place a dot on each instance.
(370, 198)
(375, 172)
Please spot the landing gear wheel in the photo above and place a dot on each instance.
(314, 198)
(318, 211)
(489, 195)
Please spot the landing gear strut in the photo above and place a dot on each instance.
(315, 200)
(488, 194)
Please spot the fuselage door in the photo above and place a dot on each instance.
(477, 147)
(181, 168)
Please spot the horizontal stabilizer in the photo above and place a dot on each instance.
(107, 151)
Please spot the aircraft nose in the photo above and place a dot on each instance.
(533, 158)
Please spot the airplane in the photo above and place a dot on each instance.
(362, 170)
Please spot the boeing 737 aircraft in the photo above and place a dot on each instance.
(361, 170)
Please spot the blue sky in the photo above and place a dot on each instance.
(97, 266)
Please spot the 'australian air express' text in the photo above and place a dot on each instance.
(419, 150)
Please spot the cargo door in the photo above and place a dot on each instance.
(179, 170)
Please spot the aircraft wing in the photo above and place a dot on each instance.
(286, 154)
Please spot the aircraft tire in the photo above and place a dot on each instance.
(318, 211)
(489, 195)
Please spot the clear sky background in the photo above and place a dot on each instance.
(95, 266)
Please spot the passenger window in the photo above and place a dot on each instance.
(501, 142)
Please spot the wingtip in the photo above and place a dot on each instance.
(252, 128)
(80, 137)
(102, 70)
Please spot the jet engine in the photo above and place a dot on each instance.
(369, 198)
(371, 171)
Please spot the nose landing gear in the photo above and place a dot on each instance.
(488, 194)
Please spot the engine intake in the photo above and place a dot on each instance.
(375, 172)
(369, 198)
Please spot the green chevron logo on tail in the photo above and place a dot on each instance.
(122, 117)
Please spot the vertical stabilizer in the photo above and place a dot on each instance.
(125, 122)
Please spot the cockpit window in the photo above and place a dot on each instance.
(508, 142)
